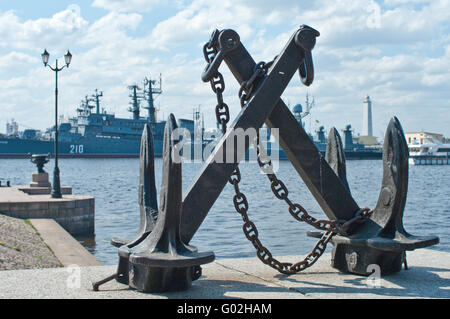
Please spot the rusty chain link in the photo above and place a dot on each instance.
(279, 189)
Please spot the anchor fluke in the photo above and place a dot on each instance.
(148, 202)
(382, 239)
(162, 262)
(335, 156)
(157, 260)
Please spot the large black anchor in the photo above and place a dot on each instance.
(362, 237)
(157, 260)
(381, 240)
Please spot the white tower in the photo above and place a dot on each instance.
(367, 119)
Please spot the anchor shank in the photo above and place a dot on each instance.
(319, 177)
(323, 183)
(214, 176)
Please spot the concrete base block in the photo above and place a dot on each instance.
(40, 184)
(40, 177)
(76, 214)
(38, 190)
(40, 180)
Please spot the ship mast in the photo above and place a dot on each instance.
(96, 97)
(309, 106)
(149, 94)
(135, 101)
(198, 124)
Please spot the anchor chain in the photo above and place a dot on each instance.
(217, 83)
(278, 187)
(280, 190)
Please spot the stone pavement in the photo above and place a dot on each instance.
(21, 247)
(428, 276)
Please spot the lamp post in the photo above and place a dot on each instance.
(56, 191)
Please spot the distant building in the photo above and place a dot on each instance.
(367, 138)
(367, 118)
(420, 137)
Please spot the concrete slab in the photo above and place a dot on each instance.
(74, 213)
(427, 277)
(64, 246)
(15, 194)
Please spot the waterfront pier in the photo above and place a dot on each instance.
(75, 213)
(428, 276)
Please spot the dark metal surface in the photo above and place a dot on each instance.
(326, 178)
(214, 175)
(158, 260)
(40, 160)
(307, 42)
(278, 187)
(56, 186)
(333, 197)
(228, 40)
(382, 239)
(148, 202)
(335, 156)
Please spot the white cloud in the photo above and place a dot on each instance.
(402, 2)
(126, 6)
(201, 17)
(403, 65)
(111, 28)
(15, 60)
(59, 30)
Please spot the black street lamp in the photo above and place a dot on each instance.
(56, 191)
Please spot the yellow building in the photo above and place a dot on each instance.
(367, 140)
(419, 137)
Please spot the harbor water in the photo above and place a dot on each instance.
(114, 184)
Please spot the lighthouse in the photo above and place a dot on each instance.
(366, 137)
(367, 119)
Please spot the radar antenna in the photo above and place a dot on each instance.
(136, 98)
(96, 99)
(151, 93)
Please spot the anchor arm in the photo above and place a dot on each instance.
(323, 183)
(333, 197)
(214, 175)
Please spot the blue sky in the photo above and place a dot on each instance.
(396, 51)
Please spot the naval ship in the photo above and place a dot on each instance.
(94, 132)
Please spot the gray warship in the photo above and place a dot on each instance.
(94, 132)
